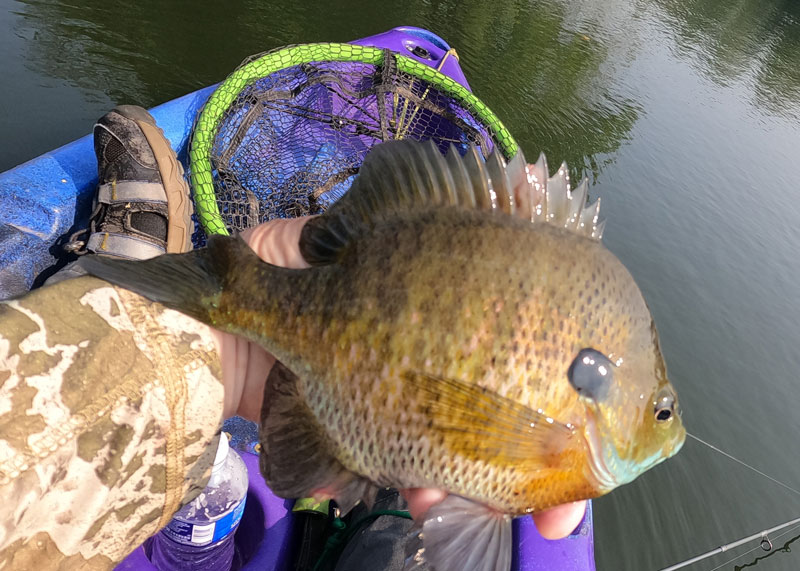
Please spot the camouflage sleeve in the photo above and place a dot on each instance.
(108, 406)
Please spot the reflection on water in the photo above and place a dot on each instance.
(745, 39)
(133, 51)
(684, 113)
(533, 62)
(149, 60)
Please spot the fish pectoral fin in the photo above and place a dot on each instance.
(459, 534)
(480, 424)
(296, 457)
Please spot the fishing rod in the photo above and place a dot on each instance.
(766, 543)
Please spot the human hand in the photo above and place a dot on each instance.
(246, 366)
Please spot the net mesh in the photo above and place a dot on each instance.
(289, 142)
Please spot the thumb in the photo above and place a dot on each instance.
(278, 241)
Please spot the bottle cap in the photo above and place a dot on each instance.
(222, 452)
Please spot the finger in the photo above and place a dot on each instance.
(278, 241)
(245, 365)
(560, 521)
(259, 364)
(421, 499)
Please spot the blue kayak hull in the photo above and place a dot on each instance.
(47, 197)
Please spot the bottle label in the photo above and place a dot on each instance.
(204, 533)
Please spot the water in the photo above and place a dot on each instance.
(683, 113)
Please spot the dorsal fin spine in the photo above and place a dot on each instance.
(557, 192)
(500, 184)
(479, 179)
(460, 176)
(577, 202)
(538, 180)
(430, 189)
(404, 176)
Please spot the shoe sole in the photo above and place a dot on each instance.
(179, 203)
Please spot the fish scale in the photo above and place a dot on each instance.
(468, 332)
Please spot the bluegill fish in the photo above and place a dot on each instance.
(461, 327)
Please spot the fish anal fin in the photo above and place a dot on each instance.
(297, 458)
(459, 534)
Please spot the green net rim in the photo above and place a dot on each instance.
(206, 127)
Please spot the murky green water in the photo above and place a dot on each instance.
(685, 114)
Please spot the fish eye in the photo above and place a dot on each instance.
(591, 374)
(665, 407)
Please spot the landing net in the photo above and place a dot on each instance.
(285, 134)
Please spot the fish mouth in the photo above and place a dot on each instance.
(607, 468)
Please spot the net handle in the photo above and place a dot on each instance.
(206, 127)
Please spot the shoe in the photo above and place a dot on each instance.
(142, 206)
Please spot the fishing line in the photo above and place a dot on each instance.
(746, 465)
(762, 534)
(735, 558)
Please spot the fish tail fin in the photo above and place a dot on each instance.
(460, 534)
(189, 282)
(297, 458)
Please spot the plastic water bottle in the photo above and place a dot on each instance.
(200, 535)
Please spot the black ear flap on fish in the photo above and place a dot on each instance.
(296, 458)
(406, 175)
(459, 534)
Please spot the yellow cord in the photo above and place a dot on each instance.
(400, 133)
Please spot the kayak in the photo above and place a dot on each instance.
(46, 199)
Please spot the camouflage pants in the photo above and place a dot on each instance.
(109, 405)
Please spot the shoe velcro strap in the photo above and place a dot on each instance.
(131, 191)
(123, 246)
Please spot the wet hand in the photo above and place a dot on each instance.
(246, 365)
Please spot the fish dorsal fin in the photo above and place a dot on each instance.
(552, 200)
(405, 175)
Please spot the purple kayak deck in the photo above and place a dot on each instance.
(575, 552)
(265, 537)
(423, 46)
